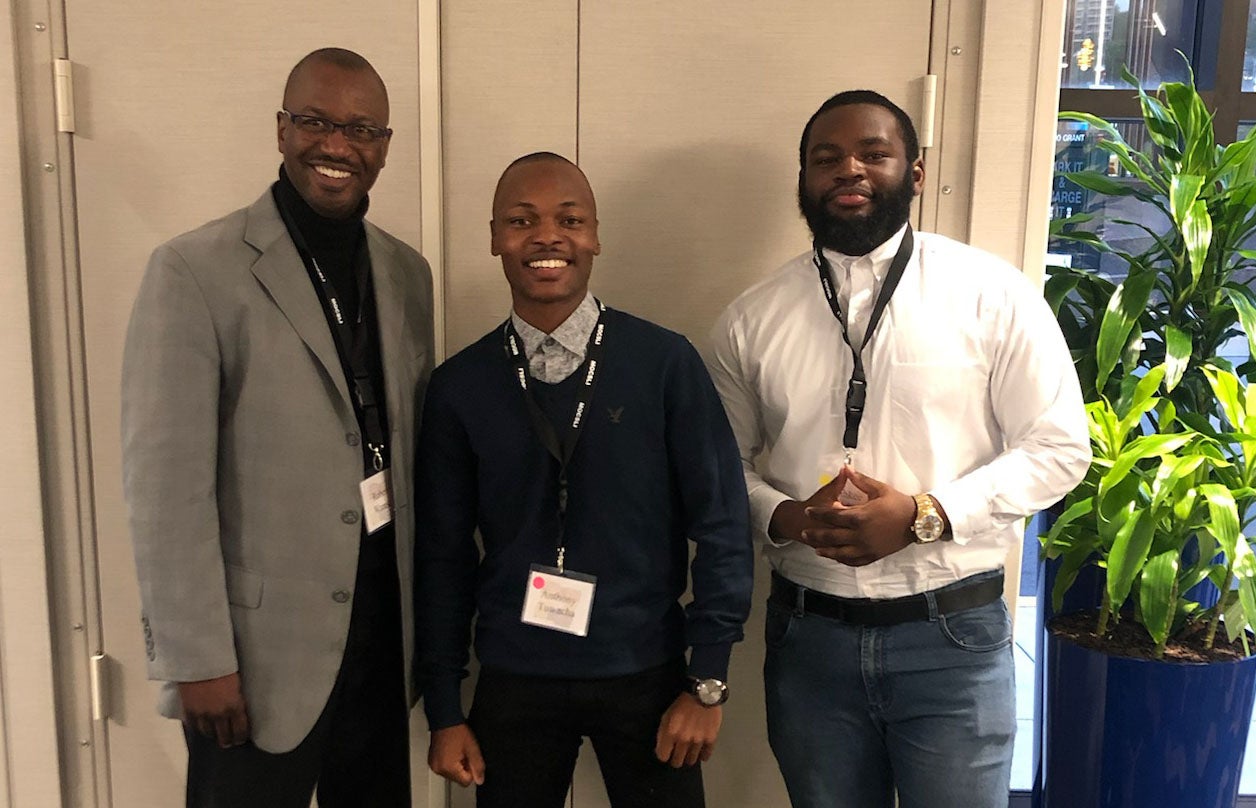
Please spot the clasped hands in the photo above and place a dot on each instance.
(855, 535)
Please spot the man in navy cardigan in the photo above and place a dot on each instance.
(589, 448)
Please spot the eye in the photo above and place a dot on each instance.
(572, 221)
(311, 124)
(517, 221)
(875, 157)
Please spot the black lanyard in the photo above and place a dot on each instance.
(561, 450)
(857, 391)
(354, 365)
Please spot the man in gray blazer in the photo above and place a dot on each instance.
(274, 366)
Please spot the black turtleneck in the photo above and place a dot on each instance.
(339, 248)
(334, 243)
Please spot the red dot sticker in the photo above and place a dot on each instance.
(538, 582)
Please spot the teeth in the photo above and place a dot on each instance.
(331, 172)
(549, 263)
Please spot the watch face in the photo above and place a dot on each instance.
(710, 691)
(928, 527)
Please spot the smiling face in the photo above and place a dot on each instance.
(857, 184)
(544, 227)
(331, 173)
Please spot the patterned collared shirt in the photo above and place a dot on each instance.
(555, 356)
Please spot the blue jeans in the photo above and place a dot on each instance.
(926, 708)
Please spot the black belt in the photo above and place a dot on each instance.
(868, 612)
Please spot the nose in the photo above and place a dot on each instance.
(850, 166)
(336, 143)
(546, 233)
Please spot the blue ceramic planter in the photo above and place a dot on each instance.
(1130, 733)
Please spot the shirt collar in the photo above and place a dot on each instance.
(573, 334)
(878, 259)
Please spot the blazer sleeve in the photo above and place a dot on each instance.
(170, 392)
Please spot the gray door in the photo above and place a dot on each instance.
(176, 125)
(686, 118)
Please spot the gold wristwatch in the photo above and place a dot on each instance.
(928, 526)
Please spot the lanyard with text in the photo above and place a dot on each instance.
(364, 394)
(562, 450)
(856, 392)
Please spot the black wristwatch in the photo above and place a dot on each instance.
(709, 692)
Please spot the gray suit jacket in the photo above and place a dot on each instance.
(242, 462)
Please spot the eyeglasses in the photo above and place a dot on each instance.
(321, 127)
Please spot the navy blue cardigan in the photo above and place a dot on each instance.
(656, 467)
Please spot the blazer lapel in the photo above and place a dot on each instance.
(390, 312)
(279, 269)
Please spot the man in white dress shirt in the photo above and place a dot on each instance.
(924, 386)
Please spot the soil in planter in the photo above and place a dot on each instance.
(1128, 639)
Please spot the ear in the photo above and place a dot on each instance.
(492, 232)
(918, 176)
(597, 248)
(281, 124)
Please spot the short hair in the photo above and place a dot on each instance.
(340, 57)
(537, 157)
(540, 157)
(850, 97)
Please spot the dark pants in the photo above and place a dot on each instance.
(530, 730)
(358, 752)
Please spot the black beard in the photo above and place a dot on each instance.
(859, 236)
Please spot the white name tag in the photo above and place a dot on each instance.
(562, 601)
(377, 506)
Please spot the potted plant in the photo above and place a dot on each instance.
(1149, 694)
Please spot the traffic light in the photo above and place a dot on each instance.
(1086, 55)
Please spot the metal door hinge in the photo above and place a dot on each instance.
(928, 103)
(98, 672)
(63, 90)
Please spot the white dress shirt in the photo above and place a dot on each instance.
(555, 356)
(972, 397)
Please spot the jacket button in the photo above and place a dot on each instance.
(349, 517)
(351, 439)
(340, 596)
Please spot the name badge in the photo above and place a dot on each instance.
(377, 507)
(562, 601)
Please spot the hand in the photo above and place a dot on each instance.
(858, 535)
(687, 732)
(454, 755)
(789, 519)
(215, 708)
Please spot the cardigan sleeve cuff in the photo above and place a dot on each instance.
(442, 703)
(710, 661)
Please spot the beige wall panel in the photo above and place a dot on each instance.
(690, 115)
(1005, 106)
(509, 88)
(176, 125)
(689, 122)
(28, 741)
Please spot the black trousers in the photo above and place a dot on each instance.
(530, 730)
(358, 752)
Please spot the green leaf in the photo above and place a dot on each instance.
(1071, 514)
(1223, 517)
(1177, 350)
(1225, 386)
(1246, 311)
(1124, 308)
(1128, 554)
(1103, 184)
(1070, 566)
(1157, 595)
(1141, 401)
(1245, 575)
(1197, 233)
